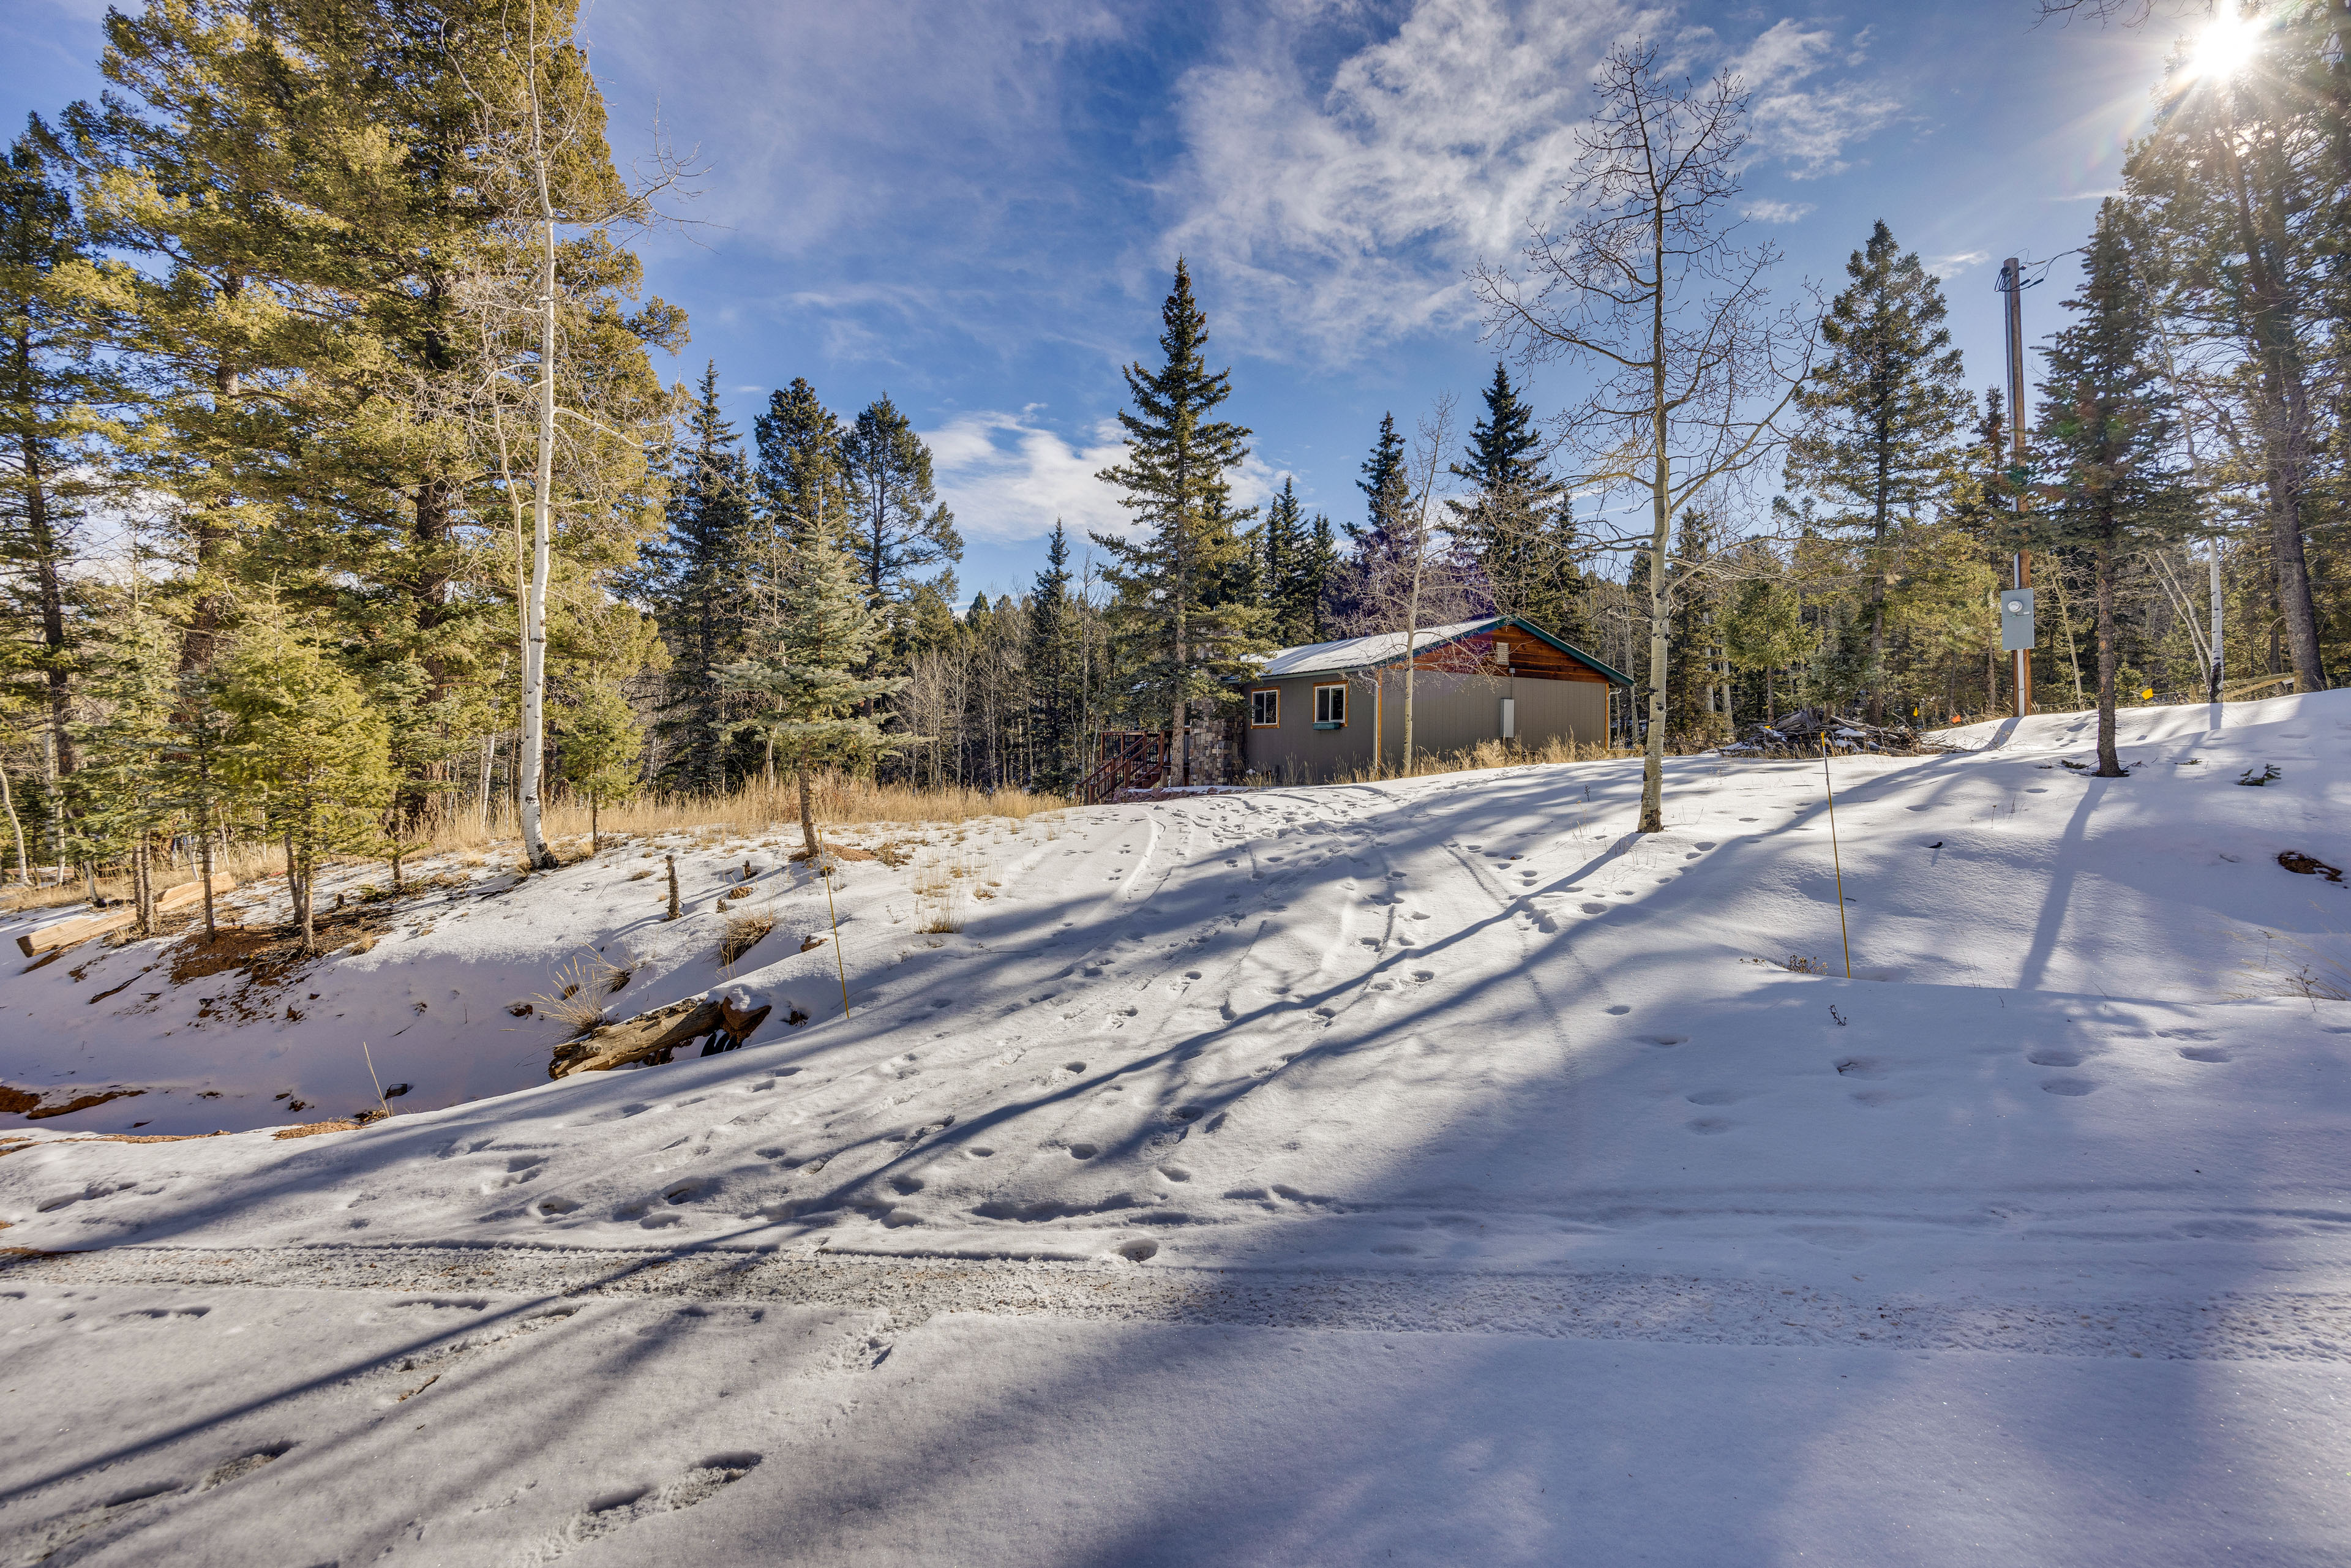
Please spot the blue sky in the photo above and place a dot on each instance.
(975, 207)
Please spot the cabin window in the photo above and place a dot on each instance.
(1265, 709)
(1501, 653)
(1330, 707)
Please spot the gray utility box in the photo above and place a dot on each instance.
(2015, 620)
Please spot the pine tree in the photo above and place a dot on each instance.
(50, 375)
(1294, 569)
(1518, 521)
(2106, 431)
(902, 526)
(309, 746)
(1763, 631)
(807, 685)
(1385, 491)
(692, 580)
(122, 789)
(1319, 565)
(600, 749)
(1882, 416)
(1176, 583)
(1055, 702)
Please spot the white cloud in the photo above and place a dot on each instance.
(1953, 265)
(1768, 212)
(1809, 127)
(1337, 217)
(1007, 477)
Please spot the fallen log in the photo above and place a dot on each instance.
(67, 933)
(651, 1038)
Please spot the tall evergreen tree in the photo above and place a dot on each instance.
(806, 683)
(309, 746)
(901, 526)
(2108, 428)
(1518, 522)
(1293, 572)
(50, 376)
(1882, 416)
(691, 580)
(1175, 581)
(1056, 704)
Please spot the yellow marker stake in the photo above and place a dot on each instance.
(1835, 860)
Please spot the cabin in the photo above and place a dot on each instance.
(1333, 709)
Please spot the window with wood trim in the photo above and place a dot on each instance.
(1330, 707)
(1265, 709)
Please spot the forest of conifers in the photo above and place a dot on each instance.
(340, 493)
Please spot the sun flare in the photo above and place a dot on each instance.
(2226, 44)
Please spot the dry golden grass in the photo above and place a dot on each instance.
(1490, 754)
(746, 929)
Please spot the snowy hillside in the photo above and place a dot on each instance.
(1460, 1083)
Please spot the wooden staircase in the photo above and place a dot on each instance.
(1130, 760)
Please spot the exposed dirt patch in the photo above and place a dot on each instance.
(15, 1101)
(2309, 865)
(81, 1102)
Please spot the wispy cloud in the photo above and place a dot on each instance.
(1768, 211)
(1953, 265)
(1338, 209)
(1809, 127)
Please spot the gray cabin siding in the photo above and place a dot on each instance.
(1451, 712)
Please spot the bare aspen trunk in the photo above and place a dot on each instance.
(1653, 755)
(534, 675)
(808, 817)
(24, 867)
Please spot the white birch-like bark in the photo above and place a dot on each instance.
(532, 763)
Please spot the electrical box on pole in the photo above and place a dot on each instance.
(2016, 621)
(2013, 284)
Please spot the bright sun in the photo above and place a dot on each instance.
(2226, 44)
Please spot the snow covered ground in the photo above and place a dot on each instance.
(1432, 1172)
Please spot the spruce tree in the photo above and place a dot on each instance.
(122, 789)
(599, 749)
(901, 526)
(2107, 427)
(691, 580)
(309, 746)
(806, 686)
(1321, 562)
(1294, 570)
(1175, 583)
(1882, 417)
(1056, 705)
(1518, 521)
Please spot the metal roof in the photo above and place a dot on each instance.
(1387, 647)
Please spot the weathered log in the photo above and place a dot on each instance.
(67, 933)
(650, 1037)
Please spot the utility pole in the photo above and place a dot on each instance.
(2011, 284)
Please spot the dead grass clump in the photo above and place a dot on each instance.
(746, 929)
(744, 891)
(938, 891)
(581, 981)
(1796, 965)
(312, 1129)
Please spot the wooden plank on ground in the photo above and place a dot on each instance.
(67, 933)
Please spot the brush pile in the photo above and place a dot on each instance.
(1808, 731)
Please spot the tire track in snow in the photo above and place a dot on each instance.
(1675, 1309)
